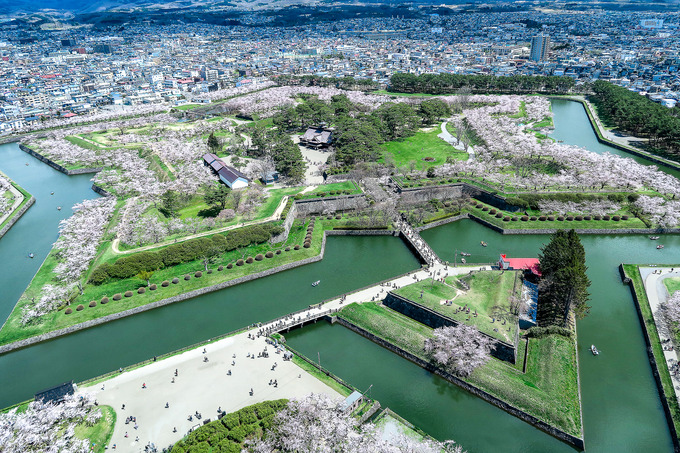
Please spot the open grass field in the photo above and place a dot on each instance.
(672, 284)
(632, 272)
(631, 222)
(489, 296)
(13, 330)
(187, 106)
(100, 433)
(548, 390)
(419, 146)
(350, 186)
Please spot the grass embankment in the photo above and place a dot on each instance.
(100, 433)
(187, 107)
(514, 220)
(26, 195)
(13, 330)
(632, 271)
(672, 284)
(412, 150)
(548, 390)
(489, 296)
(331, 190)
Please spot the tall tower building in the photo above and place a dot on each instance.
(540, 46)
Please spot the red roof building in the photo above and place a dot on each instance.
(532, 265)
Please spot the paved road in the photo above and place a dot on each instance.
(453, 141)
(657, 294)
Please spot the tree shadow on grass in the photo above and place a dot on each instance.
(212, 211)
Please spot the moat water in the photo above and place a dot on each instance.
(621, 407)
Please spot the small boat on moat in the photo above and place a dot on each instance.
(594, 350)
(654, 238)
(316, 282)
(659, 247)
(484, 244)
(464, 254)
(30, 255)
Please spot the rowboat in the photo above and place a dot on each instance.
(659, 247)
(316, 282)
(654, 238)
(484, 244)
(594, 350)
(464, 254)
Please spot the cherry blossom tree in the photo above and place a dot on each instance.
(459, 349)
(671, 310)
(318, 424)
(48, 427)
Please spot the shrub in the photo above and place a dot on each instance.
(560, 218)
(329, 217)
(570, 218)
(100, 274)
(141, 290)
(493, 211)
(499, 215)
(80, 307)
(542, 218)
(187, 277)
(485, 208)
(165, 284)
(532, 218)
(447, 204)
(605, 217)
(269, 254)
(210, 271)
(616, 218)
(220, 268)
(586, 217)
(297, 247)
(92, 303)
(338, 217)
(306, 245)
(128, 294)
(541, 332)
(597, 217)
(198, 274)
(68, 311)
(551, 218)
(479, 206)
(153, 287)
(259, 257)
(278, 252)
(287, 249)
(514, 219)
(105, 300)
(249, 260)
(506, 218)
(117, 296)
(230, 265)
(624, 217)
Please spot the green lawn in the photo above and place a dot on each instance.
(632, 272)
(419, 146)
(13, 330)
(672, 284)
(187, 106)
(100, 433)
(631, 222)
(548, 390)
(348, 187)
(489, 296)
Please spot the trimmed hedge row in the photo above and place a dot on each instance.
(227, 434)
(183, 252)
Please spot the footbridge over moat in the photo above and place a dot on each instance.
(416, 242)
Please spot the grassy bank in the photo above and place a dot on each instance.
(548, 390)
(26, 195)
(488, 296)
(632, 271)
(13, 330)
(100, 433)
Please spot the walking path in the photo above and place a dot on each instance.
(453, 141)
(275, 216)
(657, 294)
(423, 248)
(18, 199)
(204, 386)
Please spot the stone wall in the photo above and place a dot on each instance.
(56, 166)
(290, 218)
(100, 191)
(456, 190)
(442, 222)
(652, 360)
(16, 216)
(543, 426)
(341, 203)
(424, 315)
